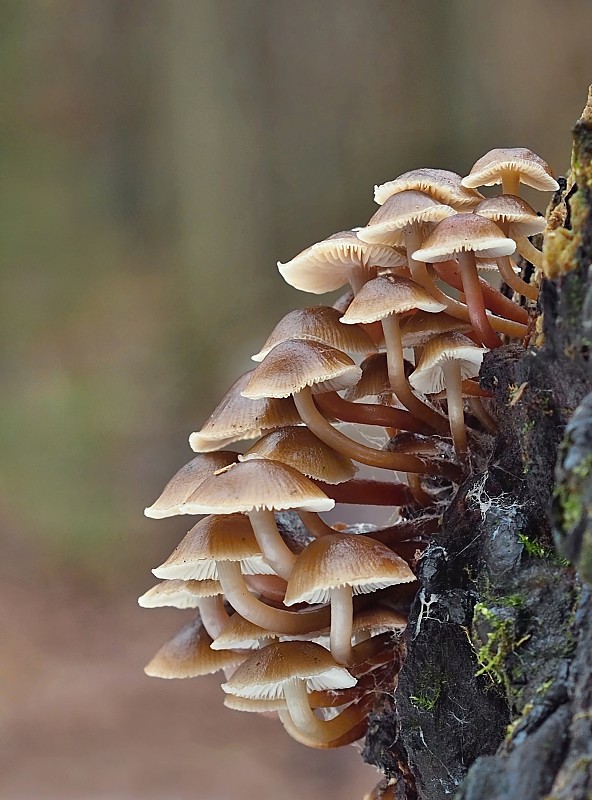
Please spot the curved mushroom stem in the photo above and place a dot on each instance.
(511, 182)
(213, 614)
(514, 281)
(311, 726)
(273, 619)
(275, 551)
(420, 495)
(342, 615)
(398, 381)
(357, 731)
(369, 414)
(316, 526)
(368, 492)
(317, 423)
(413, 242)
(452, 377)
(528, 251)
(478, 410)
(474, 295)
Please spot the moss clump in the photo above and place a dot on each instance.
(495, 633)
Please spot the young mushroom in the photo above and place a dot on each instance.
(511, 166)
(440, 184)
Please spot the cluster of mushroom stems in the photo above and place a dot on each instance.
(304, 617)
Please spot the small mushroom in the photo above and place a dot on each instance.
(440, 184)
(511, 166)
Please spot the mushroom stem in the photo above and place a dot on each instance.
(368, 492)
(213, 614)
(511, 182)
(273, 619)
(452, 378)
(475, 305)
(275, 551)
(398, 381)
(528, 251)
(333, 405)
(413, 242)
(383, 459)
(311, 726)
(272, 587)
(478, 410)
(316, 526)
(420, 495)
(342, 614)
(514, 281)
(354, 733)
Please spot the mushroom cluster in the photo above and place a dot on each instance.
(305, 617)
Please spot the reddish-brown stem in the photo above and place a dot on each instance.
(475, 304)
(528, 251)
(368, 492)
(314, 524)
(332, 405)
(514, 281)
(406, 530)
(480, 412)
(421, 497)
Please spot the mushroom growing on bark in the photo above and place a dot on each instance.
(511, 166)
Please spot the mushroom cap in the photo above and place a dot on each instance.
(318, 324)
(237, 417)
(388, 224)
(255, 485)
(185, 482)
(253, 706)
(179, 594)
(240, 634)
(188, 655)
(341, 559)
(441, 184)
(292, 365)
(522, 217)
(534, 172)
(327, 265)
(465, 233)
(263, 674)
(374, 381)
(386, 295)
(429, 376)
(417, 329)
(301, 449)
(226, 537)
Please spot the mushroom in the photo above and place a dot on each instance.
(511, 166)
(341, 258)
(466, 236)
(337, 566)
(205, 595)
(445, 361)
(440, 184)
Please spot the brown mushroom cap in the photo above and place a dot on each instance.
(487, 171)
(344, 560)
(399, 211)
(188, 655)
(509, 208)
(429, 376)
(255, 485)
(301, 449)
(220, 537)
(318, 324)
(441, 184)
(264, 674)
(240, 634)
(292, 365)
(179, 594)
(463, 233)
(185, 482)
(237, 417)
(387, 295)
(327, 265)
(374, 381)
(417, 329)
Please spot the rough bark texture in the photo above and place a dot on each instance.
(494, 698)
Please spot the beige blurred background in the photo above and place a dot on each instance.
(157, 158)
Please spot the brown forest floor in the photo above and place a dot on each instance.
(79, 719)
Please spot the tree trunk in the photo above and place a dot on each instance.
(494, 698)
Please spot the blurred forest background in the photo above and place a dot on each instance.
(157, 158)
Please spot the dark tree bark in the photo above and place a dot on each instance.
(494, 697)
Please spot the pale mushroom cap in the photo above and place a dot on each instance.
(240, 634)
(185, 482)
(301, 449)
(429, 376)
(488, 170)
(237, 417)
(179, 594)
(318, 324)
(388, 224)
(522, 217)
(292, 365)
(253, 706)
(221, 537)
(256, 485)
(341, 559)
(374, 381)
(441, 184)
(264, 673)
(465, 233)
(417, 329)
(327, 265)
(386, 295)
(188, 655)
